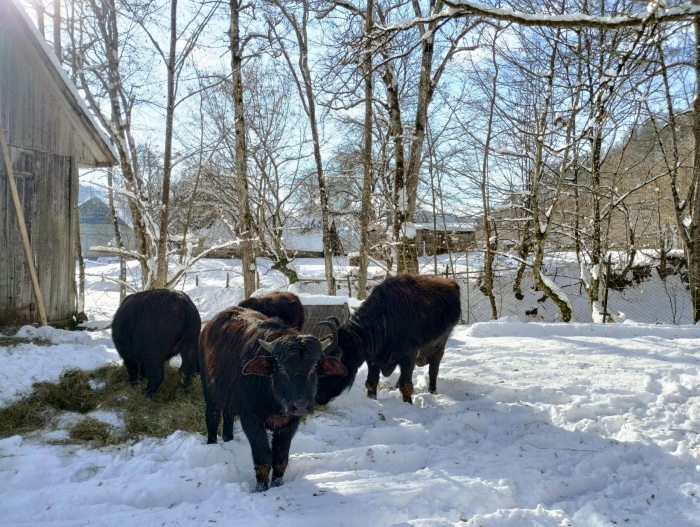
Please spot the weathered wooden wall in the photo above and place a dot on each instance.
(46, 184)
(47, 141)
(35, 111)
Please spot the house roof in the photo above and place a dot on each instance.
(108, 155)
(95, 211)
(423, 220)
(301, 235)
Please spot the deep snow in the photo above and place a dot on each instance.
(534, 425)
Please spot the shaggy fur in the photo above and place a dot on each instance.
(285, 306)
(405, 321)
(150, 328)
(268, 388)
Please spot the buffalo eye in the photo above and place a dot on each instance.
(313, 370)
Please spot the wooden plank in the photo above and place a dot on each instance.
(73, 227)
(23, 231)
(318, 313)
(5, 211)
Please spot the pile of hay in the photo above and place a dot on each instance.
(173, 407)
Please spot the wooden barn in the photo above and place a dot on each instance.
(50, 134)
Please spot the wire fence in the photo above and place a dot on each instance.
(645, 295)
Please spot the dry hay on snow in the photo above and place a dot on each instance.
(106, 389)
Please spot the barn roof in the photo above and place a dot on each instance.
(108, 155)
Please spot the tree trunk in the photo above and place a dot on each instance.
(80, 308)
(491, 239)
(367, 158)
(40, 12)
(57, 30)
(693, 260)
(160, 281)
(117, 236)
(245, 218)
(405, 237)
(396, 132)
(107, 23)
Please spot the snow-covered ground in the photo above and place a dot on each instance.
(534, 425)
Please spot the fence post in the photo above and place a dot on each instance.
(196, 280)
(349, 286)
(605, 291)
(227, 281)
(466, 256)
(257, 279)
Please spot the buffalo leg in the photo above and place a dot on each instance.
(372, 379)
(213, 416)
(155, 373)
(132, 370)
(227, 432)
(281, 441)
(262, 455)
(406, 381)
(142, 371)
(433, 368)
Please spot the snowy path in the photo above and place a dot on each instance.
(534, 425)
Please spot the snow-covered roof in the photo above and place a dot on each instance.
(423, 220)
(69, 88)
(303, 240)
(95, 211)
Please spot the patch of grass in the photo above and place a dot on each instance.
(7, 341)
(173, 407)
(92, 430)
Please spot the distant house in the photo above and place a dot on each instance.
(216, 234)
(97, 229)
(303, 237)
(438, 235)
(50, 134)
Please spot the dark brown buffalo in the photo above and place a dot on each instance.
(150, 328)
(266, 373)
(285, 306)
(404, 322)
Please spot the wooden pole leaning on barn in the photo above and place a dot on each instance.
(23, 229)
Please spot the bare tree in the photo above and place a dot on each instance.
(245, 218)
(367, 158)
(298, 23)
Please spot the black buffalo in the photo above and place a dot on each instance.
(266, 373)
(285, 306)
(405, 321)
(151, 327)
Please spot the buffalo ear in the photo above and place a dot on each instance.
(331, 366)
(264, 365)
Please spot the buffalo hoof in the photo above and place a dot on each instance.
(261, 486)
(372, 395)
(227, 437)
(276, 482)
(211, 441)
(407, 392)
(432, 390)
